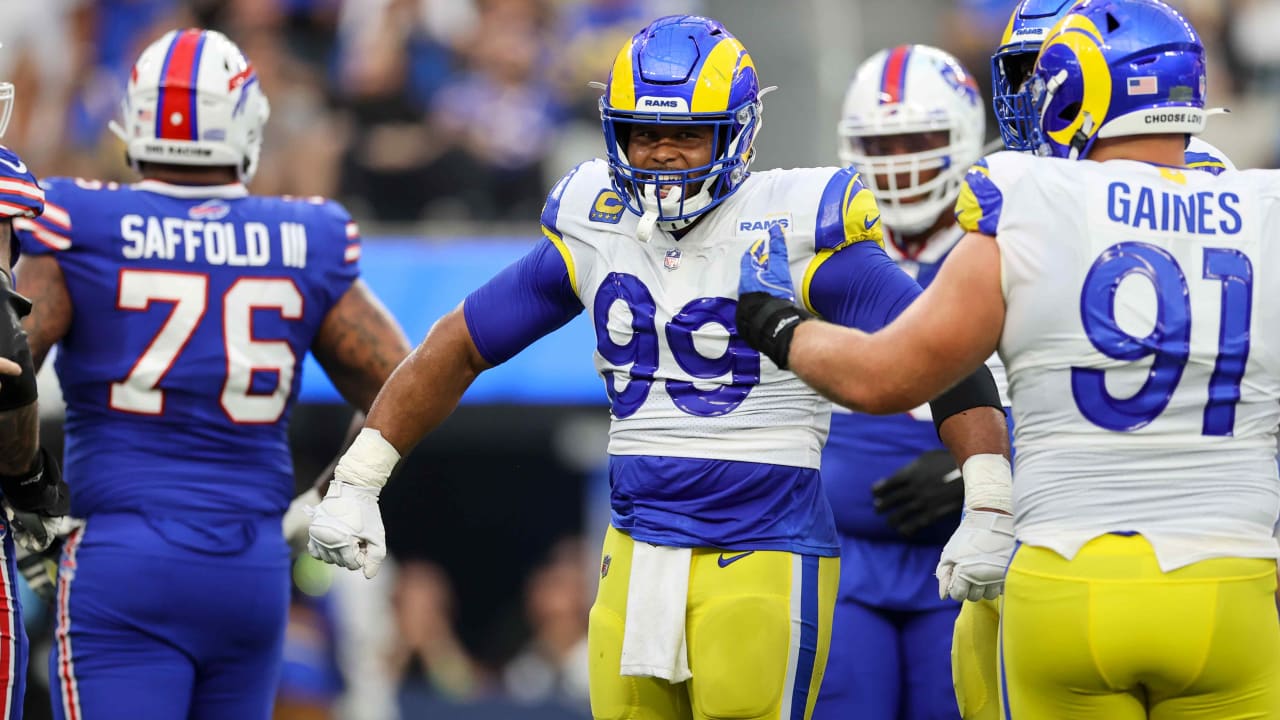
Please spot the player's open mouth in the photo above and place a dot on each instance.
(666, 183)
(663, 183)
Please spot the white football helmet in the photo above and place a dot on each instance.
(193, 99)
(907, 90)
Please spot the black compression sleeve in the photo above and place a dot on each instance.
(977, 390)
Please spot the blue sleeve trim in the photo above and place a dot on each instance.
(861, 287)
(528, 299)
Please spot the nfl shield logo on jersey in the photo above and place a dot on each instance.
(604, 566)
(672, 260)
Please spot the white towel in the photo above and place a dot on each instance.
(653, 643)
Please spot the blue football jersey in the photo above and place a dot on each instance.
(193, 310)
(20, 196)
(864, 449)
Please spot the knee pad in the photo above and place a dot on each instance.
(975, 663)
(618, 697)
(739, 657)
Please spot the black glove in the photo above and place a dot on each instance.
(920, 494)
(40, 490)
(36, 503)
(767, 323)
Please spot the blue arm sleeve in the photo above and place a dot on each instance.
(528, 299)
(861, 287)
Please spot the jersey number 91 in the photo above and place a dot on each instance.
(1169, 340)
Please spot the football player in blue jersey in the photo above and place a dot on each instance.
(719, 570)
(34, 496)
(912, 124)
(182, 307)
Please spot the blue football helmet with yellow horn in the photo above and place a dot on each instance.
(682, 70)
(1113, 68)
(1011, 66)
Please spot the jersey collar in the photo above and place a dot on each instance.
(936, 248)
(232, 190)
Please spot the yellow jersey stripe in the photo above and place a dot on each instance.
(565, 255)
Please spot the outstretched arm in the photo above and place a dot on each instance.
(427, 386)
(527, 300)
(358, 345)
(938, 340)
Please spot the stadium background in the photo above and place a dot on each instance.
(441, 124)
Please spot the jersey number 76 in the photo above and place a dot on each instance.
(140, 393)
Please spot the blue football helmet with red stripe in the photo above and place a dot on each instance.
(1116, 68)
(913, 123)
(1012, 63)
(682, 70)
(193, 99)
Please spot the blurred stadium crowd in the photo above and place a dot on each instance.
(404, 109)
(456, 110)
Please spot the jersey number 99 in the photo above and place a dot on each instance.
(1169, 342)
(641, 351)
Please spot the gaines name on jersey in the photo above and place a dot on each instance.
(1203, 213)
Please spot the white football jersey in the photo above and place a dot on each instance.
(681, 384)
(1142, 344)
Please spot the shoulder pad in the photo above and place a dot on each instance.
(982, 193)
(847, 213)
(20, 195)
(591, 176)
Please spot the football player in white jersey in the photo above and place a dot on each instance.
(912, 125)
(1132, 303)
(719, 570)
(975, 670)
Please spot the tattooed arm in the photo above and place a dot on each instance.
(358, 345)
(40, 279)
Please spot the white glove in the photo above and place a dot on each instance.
(298, 518)
(347, 529)
(976, 557)
(34, 532)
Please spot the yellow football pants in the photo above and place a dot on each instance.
(1108, 635)
(975, 660)
(757, 630)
